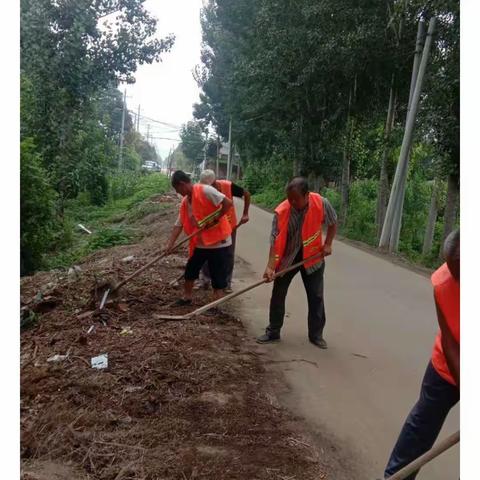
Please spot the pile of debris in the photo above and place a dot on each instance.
(121, 394)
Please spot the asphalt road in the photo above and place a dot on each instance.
(380, 329)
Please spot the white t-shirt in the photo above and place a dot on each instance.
(216, 198)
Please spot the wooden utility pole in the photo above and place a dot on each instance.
(229, 161)
(396, 196)
(122, 131)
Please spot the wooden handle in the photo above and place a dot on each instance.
(200, 310)
(156, 259)
(427, 457)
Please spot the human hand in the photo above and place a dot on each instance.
(327, 250)
(243, 220)
(269, 274)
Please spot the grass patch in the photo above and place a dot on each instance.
(108, 223)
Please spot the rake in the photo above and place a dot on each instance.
(113, 287)
(215, 303)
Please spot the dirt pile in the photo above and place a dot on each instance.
(178, 400)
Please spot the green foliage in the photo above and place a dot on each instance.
(128, 191)
(107, 237)
(193, 142)
(37, 202)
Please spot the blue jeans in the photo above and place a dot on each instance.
(424, 422)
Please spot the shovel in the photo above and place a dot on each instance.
(215, 303)
(114, 287)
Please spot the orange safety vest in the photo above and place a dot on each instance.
(203, 211)
(311, 229)
(226, 189)
(447, 294)
(188, 225)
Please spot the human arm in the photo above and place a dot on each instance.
(240, 192)
(270, 268)
(450, 347)
(176, 231)
(330, 219)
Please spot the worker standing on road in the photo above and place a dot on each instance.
(296, 235)
(203, 205)
(230, 190)
(440, 389)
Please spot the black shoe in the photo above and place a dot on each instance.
(319, 342)
(268, 338)
(182, 302)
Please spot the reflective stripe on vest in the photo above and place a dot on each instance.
(447, 295)
(311, 229)
(203, 211)
(226, 189)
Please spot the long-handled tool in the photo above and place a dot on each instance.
(114, 287)
(215, 303)
(427, 457)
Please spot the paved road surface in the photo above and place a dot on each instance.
(380, 329)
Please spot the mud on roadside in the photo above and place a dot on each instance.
(188, 399)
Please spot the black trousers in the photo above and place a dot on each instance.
(316, 308)
(230, 262)
(424, 422)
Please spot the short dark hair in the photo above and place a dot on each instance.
(299, 184)
(179, 176)
(451, 247)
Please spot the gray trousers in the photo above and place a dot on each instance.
(316, 308)
(205, 273)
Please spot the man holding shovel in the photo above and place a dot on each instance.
(203, 207)
(440, 389)
(297, 235)
(230, 190)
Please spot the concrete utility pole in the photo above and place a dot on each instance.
(138, 119)
(229, 161)
(148, 133)
(398, 211)
(218, 156)
(122, 133)
(396, 196)
(204, 163)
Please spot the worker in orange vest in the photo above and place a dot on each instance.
(202, 207)
(230, 190)
(440, 389)
(297, 235)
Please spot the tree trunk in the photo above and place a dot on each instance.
(451, 206)
(383, 187)
(345, 188)
(432, 219)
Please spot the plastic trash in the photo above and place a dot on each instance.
(100, 362)
(57, 358)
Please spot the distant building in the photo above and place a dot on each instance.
(222, 163)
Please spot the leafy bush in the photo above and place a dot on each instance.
(108, 237)
(37, 203)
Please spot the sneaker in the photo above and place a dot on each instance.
(319, 342)
(268, 338)
(228, 289)
(182, 302)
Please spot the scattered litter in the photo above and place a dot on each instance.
(126, 331)
(359, 355)
(133, 389)
(57, 358)
(86, 230)
(85, 315)
(100, 362)
(91, 329)
(123, 307)
(128, 259)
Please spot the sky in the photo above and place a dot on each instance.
(166, 90)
